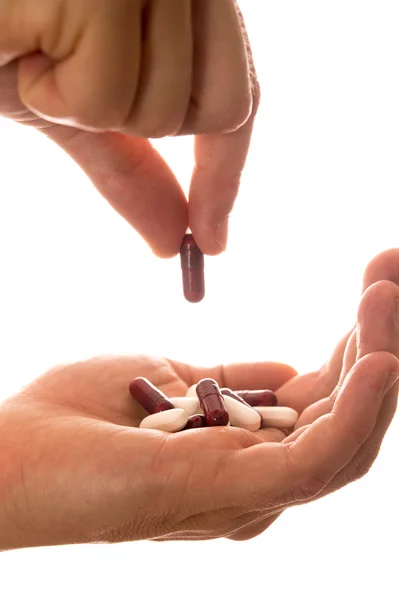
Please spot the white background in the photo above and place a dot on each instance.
(319, 199)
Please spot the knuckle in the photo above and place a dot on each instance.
(156, 123)
(235, 114)
(243, 535)
(88, 117)
(223, 115)
(310, 486)
(306, 482)
(256, 96)
(365, 463)
(363, 433)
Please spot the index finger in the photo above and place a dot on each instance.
(132, 176)
(219, 162)
(283, 474)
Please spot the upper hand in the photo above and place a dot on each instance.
(93, 84)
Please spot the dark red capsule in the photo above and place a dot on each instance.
(196, 421)
(192, 265)
(212, 403)
(229, 392)
(258, 397)
(150, 397)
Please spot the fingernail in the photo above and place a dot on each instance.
(390, 382)
(397, 311)
(221, 233)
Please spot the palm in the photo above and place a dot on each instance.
(84, 468)
(81, 419)
(99, 387)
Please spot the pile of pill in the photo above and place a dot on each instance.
(206, 405)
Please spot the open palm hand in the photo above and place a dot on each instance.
(78, 469)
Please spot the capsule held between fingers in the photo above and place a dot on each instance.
(258, 397)
(192, 265)
(212, 403)
(149, 396)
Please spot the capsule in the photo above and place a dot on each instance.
(212, 403)
(281, 417)
(192, 264)
(241, 415)
(191, 392)
(150, 397)
(258, 397)
(189, 404)
(196, 421)
(229, 392)
(169, 421)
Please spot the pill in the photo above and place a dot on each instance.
(242, 415)
(192, 265)
(229, 392)
(258, 397)
(150, 397)
(196, 421)
(212, 403)
(192, 391)
(190, 405)
(277, 416)
(169, 421)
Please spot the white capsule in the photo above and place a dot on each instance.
(169, 421)
(277, 416)
(190, 405)
(192, 391)
(241, 415)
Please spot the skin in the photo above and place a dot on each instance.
(95, 77)
(76, 468)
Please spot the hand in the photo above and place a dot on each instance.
(75, 467)
(315, 394)
(78, 471)
(83, 65)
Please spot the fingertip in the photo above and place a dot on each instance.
(211, 240)
(378, 294)
(288, 372)
(165, 251)
(215, 183)
(376, 318)
(383, 266)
